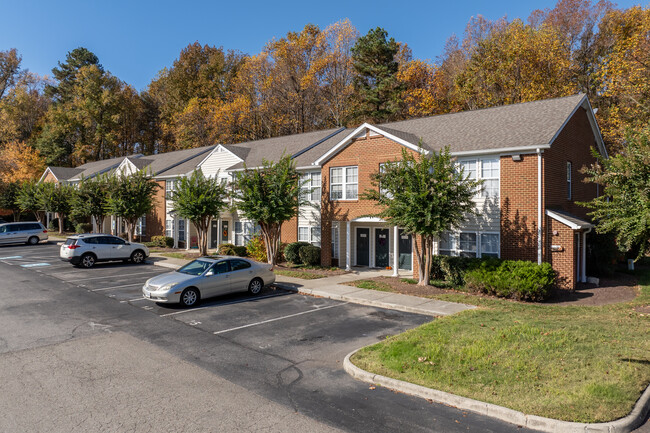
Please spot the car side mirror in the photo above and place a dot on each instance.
(209, 273)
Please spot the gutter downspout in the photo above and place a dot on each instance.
(584, 255)
(539, 206)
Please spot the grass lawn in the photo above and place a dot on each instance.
(574, 363)
(298, 274)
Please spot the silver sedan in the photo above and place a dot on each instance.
(206, 277)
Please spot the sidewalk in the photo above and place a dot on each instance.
(335, 288)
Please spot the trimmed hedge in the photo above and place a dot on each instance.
(232, 250)
(517, 279)
(83, 228)
(292, 252)
(453, 269)
(309, 255)
(162, 241)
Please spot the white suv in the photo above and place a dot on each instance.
(86, 250)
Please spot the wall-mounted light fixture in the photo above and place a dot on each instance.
(516, 157)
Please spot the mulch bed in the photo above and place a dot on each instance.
(619, 288)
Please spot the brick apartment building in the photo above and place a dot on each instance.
(528, 155)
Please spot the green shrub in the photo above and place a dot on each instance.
(257, 249)
(83, 228)
(291, 252)
(241, 251)
(453, 269)
(232, 250)
(149, 244)
(515, 279)
(163, 241)
(309, 255)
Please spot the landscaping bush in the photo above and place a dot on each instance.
(309, 255)
(83, 228)
(453, 269)
(231, 250)
(162, 241)
(149, 244)
(291, 252)
(517, 279)
(257, 249)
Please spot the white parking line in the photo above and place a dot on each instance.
(115, 287)
(218, 305)
(279, 318)
(100, 278)
(34, 265)
(134, 300)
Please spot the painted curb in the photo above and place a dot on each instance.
(623, 425)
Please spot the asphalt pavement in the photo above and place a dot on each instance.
(81, 350)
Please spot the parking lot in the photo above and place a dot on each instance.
(283, 346)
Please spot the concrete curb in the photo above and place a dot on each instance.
(370, 302)
(623, 425)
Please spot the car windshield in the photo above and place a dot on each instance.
(197, 267)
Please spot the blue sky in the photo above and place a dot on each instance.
(135, 39)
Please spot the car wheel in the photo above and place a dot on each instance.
(33, 240)
(87, 260)
(137, 256)
(190, 297)
(255, 286)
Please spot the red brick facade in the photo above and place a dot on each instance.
(155, 225)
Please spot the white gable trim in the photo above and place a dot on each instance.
(566, 222)
(354, 134)
(45, 174)
(218, 148)
(584, 103)
(125, 162)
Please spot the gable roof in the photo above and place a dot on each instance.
(531, 125)
(569, 220)
(61, 173)
(302, 147)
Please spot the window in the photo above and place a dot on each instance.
(140, 226)
(181, 230)
(315, 236)
(169, 228)
(220, 268)
(237, 265)
(239, 233)
(303, 234)
(312, 186)
(467, 245)
(309, 234)
(335, 240)
(486, 169)
(170, 186)
(344, 183)
(244, 231)
(568, 180)
(490, 169)
(489, 245)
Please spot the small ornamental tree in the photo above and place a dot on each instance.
(130, 197)
(8, 198)
(30, 199)
(57, 198)
(624, 207)
(269, 195)
(91, 200)
(426, 195)
(200, 199)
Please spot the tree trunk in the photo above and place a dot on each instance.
(202, 233)
(60, 217)
(270, 234)
(130, 229)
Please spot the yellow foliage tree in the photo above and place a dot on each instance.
(20, 162)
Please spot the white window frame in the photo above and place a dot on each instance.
(311, 188)
(569, 174)
(335, 241)
(308, 235)
(181, 230)
(170, 186)
(344, 183)
(246, 233)
(456, 250)
(141, 226)
(481, 193)
(169, 228)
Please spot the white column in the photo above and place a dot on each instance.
(395, 251)
(348, 255)
(584, 255)
(540, 213)
(175, 232)
(187, 234)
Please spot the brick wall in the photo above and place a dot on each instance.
(366, 153)
(573, 144)
(50, 178)
(519, 208)
(289, 231)
(564, 260)
(155, 225)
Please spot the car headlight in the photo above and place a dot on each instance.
(168, 286)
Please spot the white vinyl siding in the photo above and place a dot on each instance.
(344, 183)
